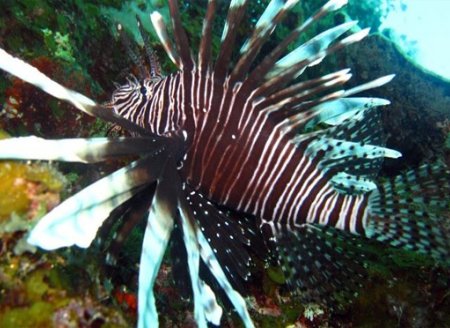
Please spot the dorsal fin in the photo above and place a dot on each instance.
(304, 87)
(310, 107)
(349, 153)
(234, 17)
(299, 97)
(136, 59)
(268, 62)
(411, 211)
(204, 54)
(161, 31)
(181, 40)
(274, 13)
(155, 67)
(320, 263)
(280, 81)
(310, 48)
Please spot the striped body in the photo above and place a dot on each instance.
(236, 155)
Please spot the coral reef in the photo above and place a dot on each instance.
(40, 292)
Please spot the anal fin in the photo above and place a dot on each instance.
(322, 264)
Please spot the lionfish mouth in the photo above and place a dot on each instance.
(340, 163)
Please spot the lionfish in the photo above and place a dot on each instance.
(232, 156)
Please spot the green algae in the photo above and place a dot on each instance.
(37, 303)
(59, 45)
(37, 315)
(23, 185)
(276, 275)
(47, 292)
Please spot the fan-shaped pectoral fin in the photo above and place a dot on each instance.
(159, 228)
(77, 220)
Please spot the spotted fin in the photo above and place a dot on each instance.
(121, 221)
(178, 258)
(206, 308)
(229, 237)
(225, 235)
(322, 264)
(412, 211)
(349, 154)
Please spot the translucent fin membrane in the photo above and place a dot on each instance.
(412, 211)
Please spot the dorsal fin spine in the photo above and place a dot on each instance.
(161, 31)
(317, 44)
(204, 55)
(279, 82)
(304, 94)
(155, 67)
(137, 61)
(181, 40)
(257, 40)
(269, 61)
(234, 17)
(370, 85)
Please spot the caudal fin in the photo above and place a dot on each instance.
(412, 211)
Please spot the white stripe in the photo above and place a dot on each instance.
(308, 185)
(342, 213)
(213, 134)
(328, 208)
(246, 152)
(318, 203)
(265, 163)
(354, 214)
(291, 204)
(290, 187)
(271, 181)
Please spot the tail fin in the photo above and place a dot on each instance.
(412, 211)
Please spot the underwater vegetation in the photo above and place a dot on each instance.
(73, 287)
